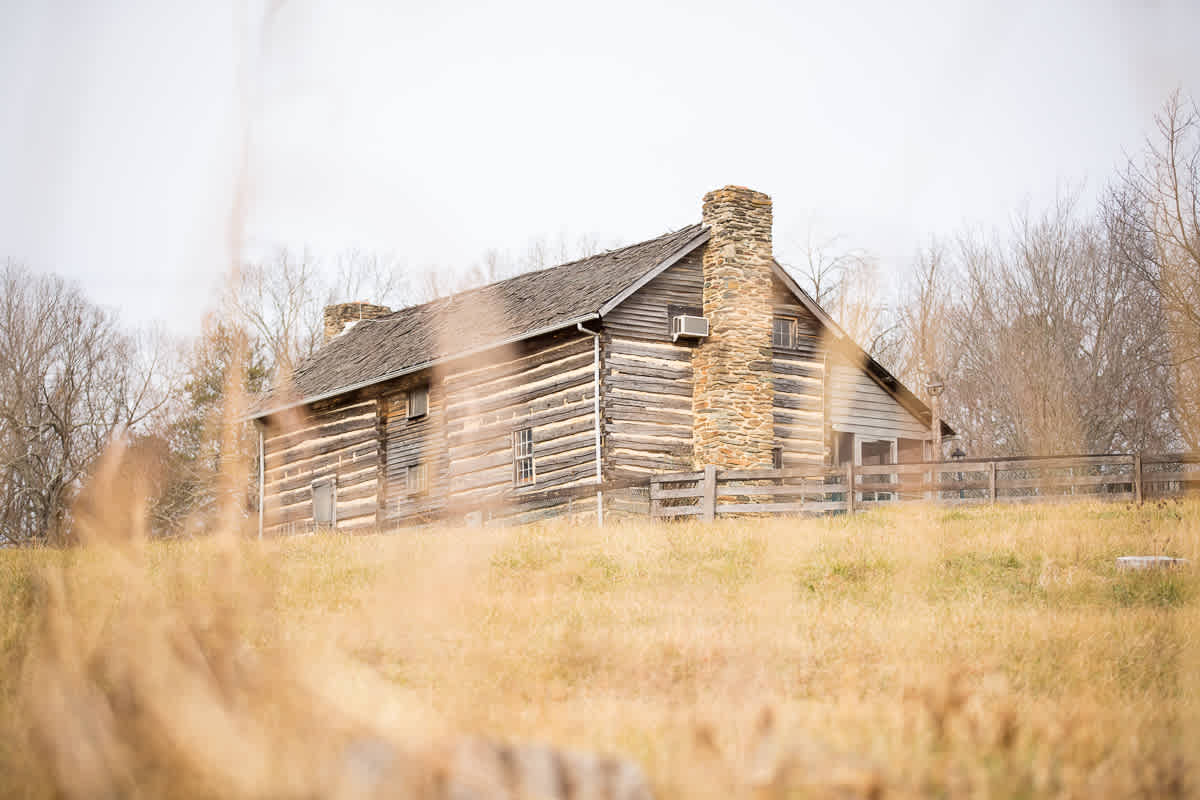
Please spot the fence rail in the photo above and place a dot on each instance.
(710, 492)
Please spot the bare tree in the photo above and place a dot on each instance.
(70, 380)
(1052, 343)
(279, 300)
(845, 282)
(924, 344)
(1153, 217)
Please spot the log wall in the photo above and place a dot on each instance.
(409, 442)
(799, 376)
(336, 440)
(547, 385)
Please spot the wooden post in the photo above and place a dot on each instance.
(992, 482)
(708, 500)
(850, 487)
(1137, 478)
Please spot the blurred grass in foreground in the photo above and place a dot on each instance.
(921, 652)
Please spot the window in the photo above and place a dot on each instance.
(416, 478)
(324, 497)
(777, 458)
(783, 333)
(418, 402)
(523, 472)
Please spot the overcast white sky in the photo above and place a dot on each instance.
(439, 130)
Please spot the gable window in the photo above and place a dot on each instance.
(523, 470)
(418, 402)
(783, 333)
(416, 478)
(324, 501)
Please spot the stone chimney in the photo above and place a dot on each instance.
(341, 316)
(733, 396)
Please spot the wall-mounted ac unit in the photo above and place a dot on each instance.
(688, 327)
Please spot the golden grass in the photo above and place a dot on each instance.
(921, 652)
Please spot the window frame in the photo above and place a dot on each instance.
(792, 327)
(777, 457)
(416, 478)
(417, 391)
(523, 453)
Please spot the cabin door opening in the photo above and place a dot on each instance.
(874, 453)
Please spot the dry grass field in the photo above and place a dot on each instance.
(923, 652)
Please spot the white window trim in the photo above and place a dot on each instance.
(518, 458)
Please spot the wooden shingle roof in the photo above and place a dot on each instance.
(521, 307)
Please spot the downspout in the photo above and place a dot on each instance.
(262, 486)
(596, 416)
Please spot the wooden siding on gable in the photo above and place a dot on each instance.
(861, 406)
(644, 314)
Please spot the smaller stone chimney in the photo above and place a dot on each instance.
(342, 316)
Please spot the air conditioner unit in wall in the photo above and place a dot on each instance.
(688, 327)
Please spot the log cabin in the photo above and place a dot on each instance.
(524, 398)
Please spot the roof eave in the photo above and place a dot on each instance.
(418, 367)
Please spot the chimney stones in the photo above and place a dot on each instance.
(341, 316)
(733, 398)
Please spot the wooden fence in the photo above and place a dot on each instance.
(1135, 478)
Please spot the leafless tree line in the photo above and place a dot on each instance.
(1070, 332)
(73, 381)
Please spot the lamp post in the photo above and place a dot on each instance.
(934, 387)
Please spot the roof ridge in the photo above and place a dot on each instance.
(449, 297)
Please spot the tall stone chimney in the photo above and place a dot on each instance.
(340, 316)
(733, 395)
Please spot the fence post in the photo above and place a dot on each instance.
(1137, 478)
(992, 482)
(708, 499)
(850, 487)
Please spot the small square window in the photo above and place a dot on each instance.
(416, 478)
(523, 469)
(783, 333)
(777, 458)
(418, 402)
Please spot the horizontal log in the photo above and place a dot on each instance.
(287, 422)
(501, 428)
(663, 368)
(307, 451)
(366, 453)
(671, 352)
(280, 443)
(532, 355)
(463, 391)
(651, 386)
(521, 399)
